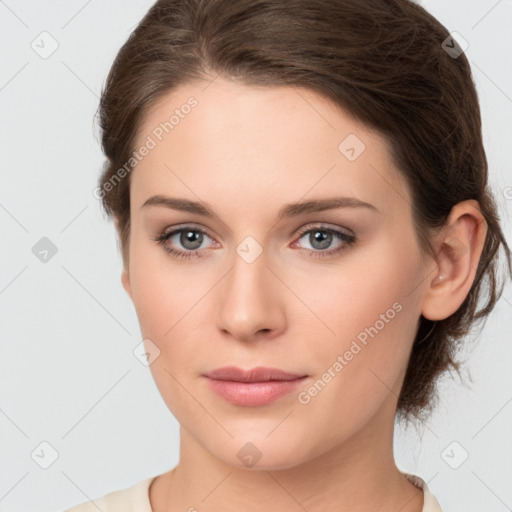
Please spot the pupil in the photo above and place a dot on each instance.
(323, 238)
(191, 237)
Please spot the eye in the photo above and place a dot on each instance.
(190, 238)
(322, 237)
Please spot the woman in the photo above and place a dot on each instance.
(300, 192)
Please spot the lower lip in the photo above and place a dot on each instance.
(253, 394)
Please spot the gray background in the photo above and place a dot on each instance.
(68, 376)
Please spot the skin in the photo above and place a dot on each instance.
(247, 151)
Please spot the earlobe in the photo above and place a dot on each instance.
(457, 260)
(125, 280)
(125, 275)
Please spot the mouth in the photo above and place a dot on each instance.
(255, 387)
(258, 374)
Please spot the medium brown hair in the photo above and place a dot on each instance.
(383, 62)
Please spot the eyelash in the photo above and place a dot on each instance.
(348, 240)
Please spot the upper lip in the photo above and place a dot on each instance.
(258, 374)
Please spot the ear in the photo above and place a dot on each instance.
(461, 245)
(125, 275)
(125, 280)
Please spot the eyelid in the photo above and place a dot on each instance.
(187, 225)
(324, 226)
(298, 234)
(348, 239)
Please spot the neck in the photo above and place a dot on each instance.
(357, 475)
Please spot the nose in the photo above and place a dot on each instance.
(251, 302)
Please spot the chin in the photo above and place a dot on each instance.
(261, 453)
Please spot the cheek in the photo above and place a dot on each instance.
(165, 298)
(163, 293)
(369, 317)
(352, 295)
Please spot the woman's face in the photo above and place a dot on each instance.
(271, 290)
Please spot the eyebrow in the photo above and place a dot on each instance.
(288, 210)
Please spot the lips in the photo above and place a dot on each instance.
(258, 374)
(255, 387)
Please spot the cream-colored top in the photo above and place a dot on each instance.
(136, 498)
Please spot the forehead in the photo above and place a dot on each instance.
(251, 146)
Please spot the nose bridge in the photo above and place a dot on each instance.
(248, 279)
(249, 295)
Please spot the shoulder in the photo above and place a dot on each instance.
(430, 503)
(131, 499)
